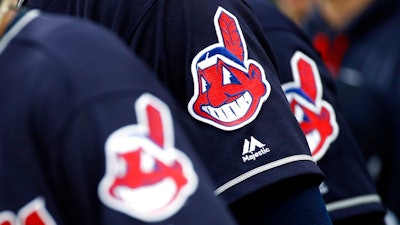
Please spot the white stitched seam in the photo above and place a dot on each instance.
(17, 28)
(261, 169)
(350, 202)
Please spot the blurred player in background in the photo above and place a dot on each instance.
(358, 41)
(296, 10)
(348, 190)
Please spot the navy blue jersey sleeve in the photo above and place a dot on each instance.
(214, 59)
(89, 136)
(347, 189)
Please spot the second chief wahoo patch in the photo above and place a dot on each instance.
(229, 88)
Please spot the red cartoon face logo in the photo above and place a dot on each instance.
(229, 88)
(146, 177)
(316, 116)
(33, 213)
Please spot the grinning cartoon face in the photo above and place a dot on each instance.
(229, 89)
(146, 176)
(316, 117)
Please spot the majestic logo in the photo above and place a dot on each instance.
(146, 177)
(229, 88)
(33, 213)
(253, 149)
(316, 116)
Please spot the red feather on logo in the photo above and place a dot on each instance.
(231, 35)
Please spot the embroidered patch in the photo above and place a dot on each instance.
(146, 176)
(229, 88)
(315, 115)
(33, 213)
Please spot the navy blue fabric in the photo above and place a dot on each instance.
(301, 206)
(66, 86)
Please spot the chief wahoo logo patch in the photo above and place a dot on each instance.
(229, 88)
(316, 116)
(146, 176)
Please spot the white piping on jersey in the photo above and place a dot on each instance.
(16, 28)
(351, 202)
(19, 3)
(261, 169)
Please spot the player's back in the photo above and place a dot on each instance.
(88, 136)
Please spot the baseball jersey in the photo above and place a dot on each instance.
(217, 64)
(347, 189)
(368, 85)
(89, 136)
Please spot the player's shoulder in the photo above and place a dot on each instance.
(63, 33)
(279, 27)
(78, 49)
(266, 11)
(66, 54)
